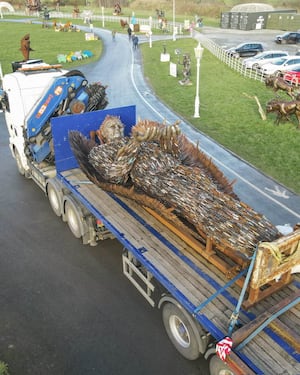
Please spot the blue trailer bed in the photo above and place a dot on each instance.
(185, 274)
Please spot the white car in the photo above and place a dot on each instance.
(262, 58)
(280, 65)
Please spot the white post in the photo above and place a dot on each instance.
(174, 35)
(198, 55)
(150, 32)
(102, 8)
(197, 98)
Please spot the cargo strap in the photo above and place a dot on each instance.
(274, 315)
(235, 314)
(219, 291)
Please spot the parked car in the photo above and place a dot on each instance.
(288, 38)
(262, 58)
(292, 76)
(280, 65)
(245, 49)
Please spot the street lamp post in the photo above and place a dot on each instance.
(198, 54)
(174, 34)
(102, 10)
(150, 32)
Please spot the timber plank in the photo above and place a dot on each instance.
(267, 356)
(242, 333)
(183, 284)
(275, 363)
(167, 258)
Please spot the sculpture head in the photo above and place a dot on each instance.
(111, 129)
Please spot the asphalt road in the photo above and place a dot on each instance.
(230, 37)
(66, 308)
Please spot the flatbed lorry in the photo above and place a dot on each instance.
(200, 299)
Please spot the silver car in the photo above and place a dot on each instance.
(280, 65)
(262, 58)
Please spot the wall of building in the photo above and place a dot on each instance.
(277, 20)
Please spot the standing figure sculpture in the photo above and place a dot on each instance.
(186, 71)
(25, 47)
(32, 6)
(117, 9)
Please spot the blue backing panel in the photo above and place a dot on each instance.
(85, 122)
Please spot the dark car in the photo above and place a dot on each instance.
(245, 49)
(288, 38)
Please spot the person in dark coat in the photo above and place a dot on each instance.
(129, 32)
(135, 41)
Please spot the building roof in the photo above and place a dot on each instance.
(252, 8)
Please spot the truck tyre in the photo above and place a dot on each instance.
(218, 367)
(54, 199)
(73, 73)
(73, 219)
(180, 331)
(20, 167)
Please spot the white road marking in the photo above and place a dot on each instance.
(278, 192)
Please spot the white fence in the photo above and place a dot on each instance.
(103, 18)
(233, 62)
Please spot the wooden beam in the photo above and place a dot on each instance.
(242, 333)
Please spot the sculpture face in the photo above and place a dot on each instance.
(113, 132)
(111, 129)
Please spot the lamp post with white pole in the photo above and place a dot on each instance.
(150, 32)
(174, 33)
(198, 54)
(102, 9)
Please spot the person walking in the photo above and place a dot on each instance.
(135, 41)
(129, 32)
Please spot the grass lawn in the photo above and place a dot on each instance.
(45, 42)
(227, 115)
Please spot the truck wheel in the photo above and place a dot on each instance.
(54, 199)
(73, 219)
(180, 331)
(21, 169)
(73, 73)
(218, 367)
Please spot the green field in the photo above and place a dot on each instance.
(227, 114)
(45, 42)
